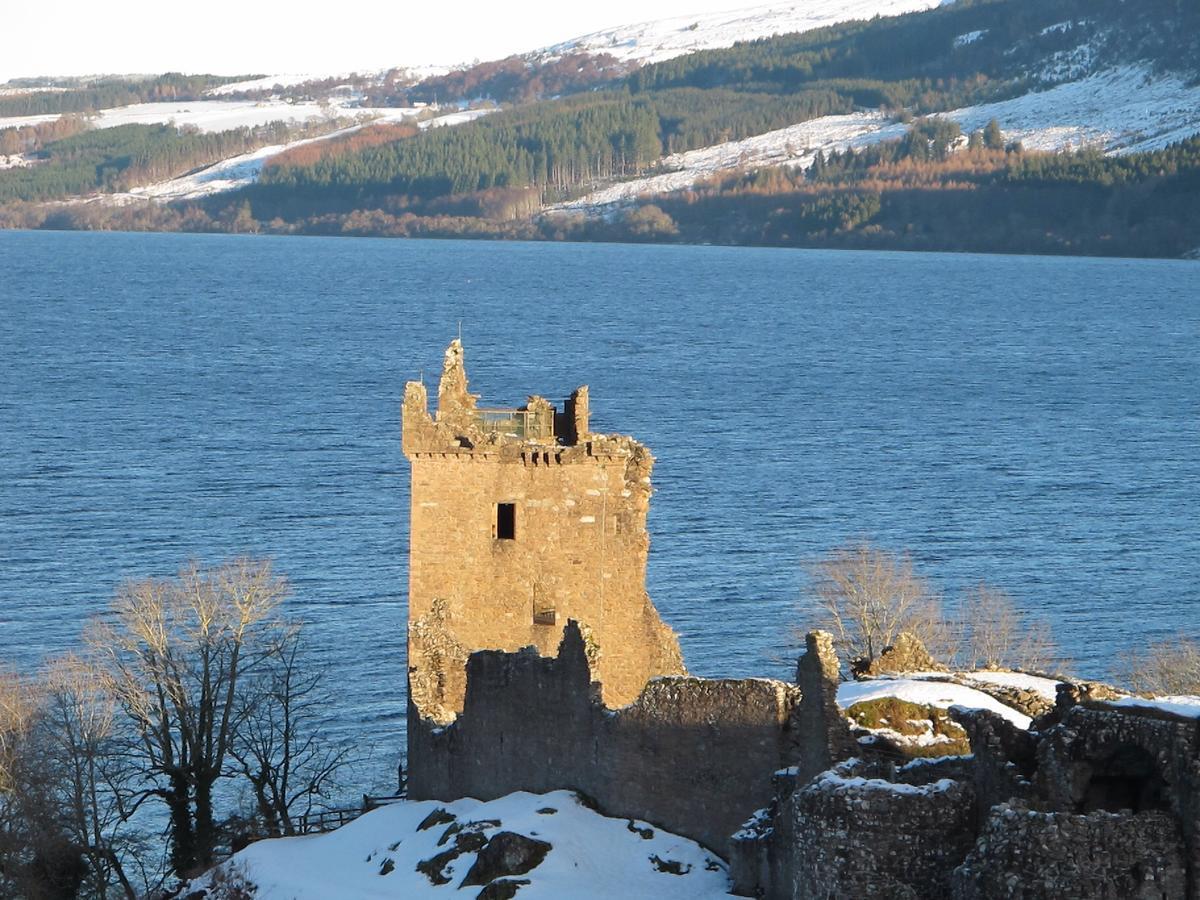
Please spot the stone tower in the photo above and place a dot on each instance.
(523, 519)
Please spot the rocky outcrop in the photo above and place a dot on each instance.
(906, 654)
(507, 853)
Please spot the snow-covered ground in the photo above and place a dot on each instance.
(792, 146)
(654, 41)
(940, 694)
(268, 82)
(227, 175)
(376, 855)
(21, 121)
(240, 171)
(17, 91)
(222, 115)
(1121, 110)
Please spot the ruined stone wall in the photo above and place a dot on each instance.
(691, 755)
(1048, 855)
(578, 551)
(1132, 760)
(865, 837)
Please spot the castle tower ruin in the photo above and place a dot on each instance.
(522, 519)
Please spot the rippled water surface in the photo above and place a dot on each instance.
(1033, 422)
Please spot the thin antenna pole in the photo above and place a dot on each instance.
(460, 331)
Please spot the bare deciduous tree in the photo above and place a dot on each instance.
(175, 654)
(279, 747)
(61, 826)
(868, 596)
(1165, 668)
(996, 634)
(80, 739)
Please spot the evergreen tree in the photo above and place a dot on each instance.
(993, 138)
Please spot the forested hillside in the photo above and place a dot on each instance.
(915, 64)
(501, 174)
(117, 159)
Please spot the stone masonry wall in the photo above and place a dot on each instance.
(579, 550)
(866, 837)
(1047, 855)
(691, 755)
(1132, 760)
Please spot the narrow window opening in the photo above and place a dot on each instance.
(506, 521)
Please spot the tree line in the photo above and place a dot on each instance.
(31, 138)
(92, 96)
(907, 194)
(88, 161)
(513, 79)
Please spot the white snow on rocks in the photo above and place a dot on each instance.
(832, 779)
(647, 42)
(591, 857)
(927, 693)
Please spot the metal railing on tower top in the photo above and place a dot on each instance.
(522, 423)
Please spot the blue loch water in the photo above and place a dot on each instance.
(1032, 422)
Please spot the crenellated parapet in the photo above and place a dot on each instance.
(460, 424)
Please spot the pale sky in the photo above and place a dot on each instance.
(80, 37)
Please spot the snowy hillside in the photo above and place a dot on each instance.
(430, 850)
(792, 146)
(1121, 110)
(221, 115)
(654, 41)
(240, 171)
